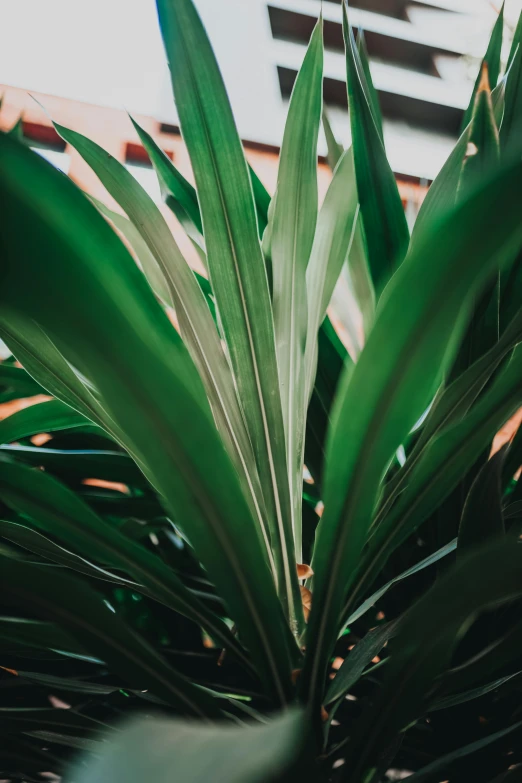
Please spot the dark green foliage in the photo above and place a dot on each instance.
(155, 550)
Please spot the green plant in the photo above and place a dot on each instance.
(208, 430)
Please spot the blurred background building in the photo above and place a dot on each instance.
(90, 62)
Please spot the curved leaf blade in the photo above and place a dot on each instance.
(389, 388)
(424, 642)
(385, 226)
(150, 389)
(293, 219)
(235, 261)
(57, 596)
(43, 417)
(492, 61)
(193, 753)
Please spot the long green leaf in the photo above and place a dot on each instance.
(492, 62)
(512, 118)
(450, 406)
(174, 183)
(21, 719)
(335, 150)
(148, 388)
(425, 563)
(441, 467)
(56, 510)
(236, 265)
(483, 329)
(145, 259)
(494, 658)
(443, 190)
(196, 324)
(482, 513)
(44, 362)
(262, 201)
(357, 661)
(20, 632)
(383, 217)
(371, 93)
(333, 238)
(474, 693)
(75, 465)
(423, 645)
(294, 217)
(43, 417)
(58, 597)
(442, 766)
(40, 545)
(380, 401)
(16, 383)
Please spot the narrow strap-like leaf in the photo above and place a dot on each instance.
(57, 510)
(371, 93)
(43, 417)
(139, 247)
(21, 633)
(482, 156)
(236, 265)
(332, 242)
(173, 183)
(44, 362)
(294, 219)
(440, 467)
(57, 596)
(372, 417)
(262, 200)
(372, 600)
(474, 693)
(335, 150)
(196, 324)
(450, 406)
(512, 118)
(492, 61)
(383, 217)
(424, 642)
(40, 545)
(357, 660)
(443, 190)
(148, 389)
(16, 383)
(483, 145)
(79, 464)
(441, 767)
(482, 513)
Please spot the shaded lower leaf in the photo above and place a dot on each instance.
(482, 517)
(474, 693)
(426, 637)
(57, 597)
(440, 767)
(165, 750)
(358, 659)
(40, 545)
(43, 417)
(55, 509)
